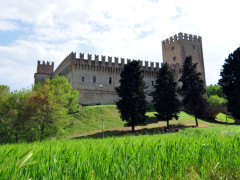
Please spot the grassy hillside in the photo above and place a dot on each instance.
(193, 153)
(222, 117)
(183, 152)
(89, 122)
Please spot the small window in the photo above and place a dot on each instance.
(110, 80)
(83, 79)
(193, 47)
(172, 48)
(174, 58)
(94, 79)
(152, 83)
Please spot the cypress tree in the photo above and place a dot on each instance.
(132, 99)
(165, 98)
(192, 89)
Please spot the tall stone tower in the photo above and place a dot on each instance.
(175, 49)
(44, 70)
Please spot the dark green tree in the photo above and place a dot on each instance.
(230, 82)
(165, 98)
(132, 99)
(192, 89)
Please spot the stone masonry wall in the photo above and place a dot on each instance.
(175, 49)
(45, 67)
(81, 72)
(44, 70)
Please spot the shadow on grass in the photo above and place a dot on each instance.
(213, 120)
(145, 131)
(150, 120)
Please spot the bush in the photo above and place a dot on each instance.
(215, 90)
(215, 100)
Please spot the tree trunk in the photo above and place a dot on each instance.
(133, 130)
(42, 132)
(167, 124)
(196, 121)
(16, 135)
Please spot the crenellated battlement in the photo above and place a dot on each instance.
(182, 37)
(44, 67)
(109, 61)
(45, 63)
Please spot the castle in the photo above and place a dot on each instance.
(98, 76)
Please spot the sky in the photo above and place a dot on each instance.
(32, 30)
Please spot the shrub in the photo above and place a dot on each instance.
(215, 100)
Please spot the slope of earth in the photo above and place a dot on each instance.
(88, 123)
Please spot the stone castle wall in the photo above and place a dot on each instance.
(88, 72)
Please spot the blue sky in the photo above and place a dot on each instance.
(51, 29)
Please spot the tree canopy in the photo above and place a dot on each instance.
(50, 102)
(215, 90)
(215, 95)
(165, 98)
(216, 100)
(38, 113)
(230, 82)
(192, 89)
(132, 99)
(4, 89)
(16, 113)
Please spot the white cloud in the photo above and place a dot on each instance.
(6, 25)
(123, 28)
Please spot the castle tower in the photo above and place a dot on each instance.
(175, 49)
(44, 70)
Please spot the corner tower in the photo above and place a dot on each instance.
(44, 70)
(176, 48)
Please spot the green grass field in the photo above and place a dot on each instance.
(222, 117)
(193, 153)
(210, 151)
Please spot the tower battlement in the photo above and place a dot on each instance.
(44, 70)
(44, 67)
(181, 37)
(176, 48)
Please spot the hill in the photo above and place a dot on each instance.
(88, 123)
(183, 152)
